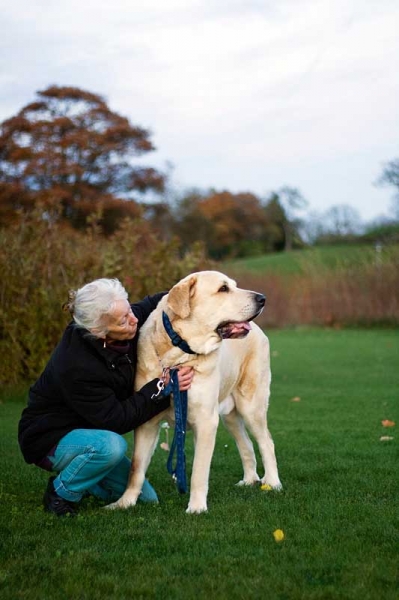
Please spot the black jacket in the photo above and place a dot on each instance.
(87, 386)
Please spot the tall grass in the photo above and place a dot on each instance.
(312, 291)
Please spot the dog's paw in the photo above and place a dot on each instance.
(113, 506)
(249, 481)
(276, 485)
(196, 510)
(122, 503)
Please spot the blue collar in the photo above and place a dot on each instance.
(175, 337)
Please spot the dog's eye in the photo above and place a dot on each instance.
(224, 288)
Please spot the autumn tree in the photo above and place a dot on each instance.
(190, 224)
(238, 222)
(68, 150)
(242, 224)
(229, 224)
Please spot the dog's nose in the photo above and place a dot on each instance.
(260, 299)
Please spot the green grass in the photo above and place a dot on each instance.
(298, 261)
(339, 509)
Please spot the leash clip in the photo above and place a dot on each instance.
(160, 386)
(161, 383)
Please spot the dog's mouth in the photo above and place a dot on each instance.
(233, 329)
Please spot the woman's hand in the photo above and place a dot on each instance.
(185, 376)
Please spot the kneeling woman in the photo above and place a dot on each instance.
(84, 401)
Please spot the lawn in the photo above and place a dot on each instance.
(339, 509)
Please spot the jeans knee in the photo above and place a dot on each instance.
(113, 448)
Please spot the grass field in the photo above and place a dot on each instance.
(339, 509)
(299, 261)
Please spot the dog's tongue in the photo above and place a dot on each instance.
(235, 330)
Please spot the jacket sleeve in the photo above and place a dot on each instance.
(97, 404)
(143, 309)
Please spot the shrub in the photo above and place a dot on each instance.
(40, 259)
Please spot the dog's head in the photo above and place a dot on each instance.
(210, 303)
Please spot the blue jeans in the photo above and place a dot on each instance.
(94, 461)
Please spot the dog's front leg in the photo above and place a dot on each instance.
(205, 428)
(145, 441)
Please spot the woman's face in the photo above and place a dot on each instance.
(122, 324)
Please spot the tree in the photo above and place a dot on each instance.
(390, 176)
(342, 220)
(339, 224)
(190, 224)
(230, 225)
(237, 225)
(238, 222)
(292, 201)
(283, 223)
(312, 228)
(274, 236)
(68, 149)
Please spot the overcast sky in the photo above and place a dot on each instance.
(244, 95)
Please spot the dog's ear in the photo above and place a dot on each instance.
(180, 296)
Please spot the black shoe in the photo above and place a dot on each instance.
(55, 504)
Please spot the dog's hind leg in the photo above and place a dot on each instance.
(235, 425)
(145, 441)
(252, 400)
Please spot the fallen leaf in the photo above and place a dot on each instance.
(388, 423)
(278, 535)
(164, 446)
(386, 438)
(296, 399)
(266, 487)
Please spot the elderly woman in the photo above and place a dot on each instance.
(84, 401)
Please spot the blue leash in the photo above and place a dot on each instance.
(180, 401)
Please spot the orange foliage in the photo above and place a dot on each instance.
(236, 218)
(70, 150)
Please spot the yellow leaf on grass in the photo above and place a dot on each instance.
(295, 399)
(266, 487)
(278, 535)
(388, 423)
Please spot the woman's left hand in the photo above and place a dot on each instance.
(185, 376)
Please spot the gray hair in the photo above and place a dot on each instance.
(94, 301)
